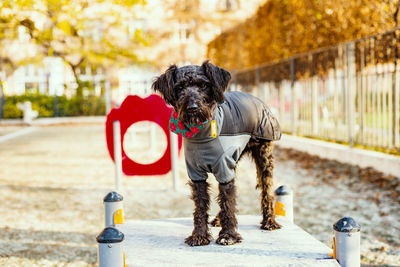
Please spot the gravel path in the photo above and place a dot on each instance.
(322, 198)
(4, 130)
(52, 182)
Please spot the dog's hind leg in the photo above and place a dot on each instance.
(216, 222)
(227, 202)
(263, 158)
(200, 194)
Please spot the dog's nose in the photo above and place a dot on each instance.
(192, 106)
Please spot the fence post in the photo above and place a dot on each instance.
(234, 85)
(314, 105)
(266, 93)
(347, 242)
(294, 95)
(351, 89)
(338, 71)
(257, 82)
(2, 99)
(362, 94)
(314, 95)
(117, 154)
(396, 97)
(281, 103)
(110, 251)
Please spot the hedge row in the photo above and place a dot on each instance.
(283, 28)
(52, 106)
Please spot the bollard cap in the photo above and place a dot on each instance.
(110, 235)
(346, 225)
(113, 197)
(283, 190)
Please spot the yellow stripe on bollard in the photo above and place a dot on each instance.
(119, 216)
(280, 209)
(333, 248)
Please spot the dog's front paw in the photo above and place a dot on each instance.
(198, 240)
(216, 222)
(228, 238)
(270, 224)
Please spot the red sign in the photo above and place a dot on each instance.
(135, 109)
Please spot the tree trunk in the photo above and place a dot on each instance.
(74, 68)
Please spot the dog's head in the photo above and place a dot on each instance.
(193, 90)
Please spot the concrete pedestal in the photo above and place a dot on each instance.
(161, 243)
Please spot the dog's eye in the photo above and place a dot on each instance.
(203, 86)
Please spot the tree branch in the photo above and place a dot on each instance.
(396, 13)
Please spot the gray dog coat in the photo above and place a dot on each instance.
(240, 117)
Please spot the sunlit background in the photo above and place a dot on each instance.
(74, 48)
(329, 70)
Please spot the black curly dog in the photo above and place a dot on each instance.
(244, 126)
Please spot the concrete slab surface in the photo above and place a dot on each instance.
(161, 243)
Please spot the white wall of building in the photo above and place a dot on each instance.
(135, 80)
(52, 77)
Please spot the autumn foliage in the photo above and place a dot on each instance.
(282, 28)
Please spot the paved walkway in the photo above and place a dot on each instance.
(52, 182)
(55, 121)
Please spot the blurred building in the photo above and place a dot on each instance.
(181, 29)
(51, 77)
(179, 32)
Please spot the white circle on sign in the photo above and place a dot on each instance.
(145, 142)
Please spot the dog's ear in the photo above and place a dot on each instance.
(165, 84)
(219, 77)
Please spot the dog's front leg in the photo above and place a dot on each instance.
(227, 202)
(201, 197)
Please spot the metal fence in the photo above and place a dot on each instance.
(345, 93)
(2, 99)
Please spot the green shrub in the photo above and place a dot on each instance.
(49, 106)
(11, 111)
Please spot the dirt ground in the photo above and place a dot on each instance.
(53, 180)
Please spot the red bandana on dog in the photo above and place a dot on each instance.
(186, 130)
